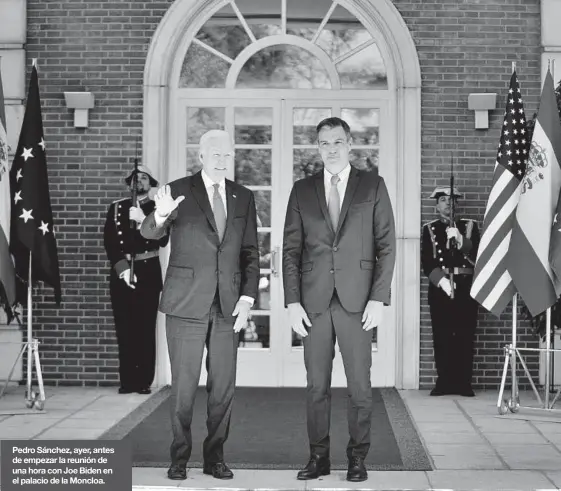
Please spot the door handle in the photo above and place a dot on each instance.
(275, 261)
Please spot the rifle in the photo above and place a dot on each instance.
(452, 242)
(134, 203)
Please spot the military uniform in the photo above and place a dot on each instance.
(453, 320)
(134, 310)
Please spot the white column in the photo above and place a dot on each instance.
(13, 25)
(551, 37)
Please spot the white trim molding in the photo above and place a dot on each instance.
(161, 75)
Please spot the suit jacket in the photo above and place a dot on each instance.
(357, 259)
(120, 239)
(199, 263)
(436, 257)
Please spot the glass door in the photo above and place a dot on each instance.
(254, 124)
(275, 142)
(300, 158)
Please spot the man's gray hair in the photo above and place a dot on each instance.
(209, 135)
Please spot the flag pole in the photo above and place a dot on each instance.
(29, 334)
(551, 67)
(547, 355)
(513, 357)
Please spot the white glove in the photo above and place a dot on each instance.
(165, 203)
(136, 214)
(454, 233)
(126, 276)
(444, 283)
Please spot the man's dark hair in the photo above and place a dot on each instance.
(334, 122)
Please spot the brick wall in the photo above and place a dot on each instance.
(99, 47)
(467, 46)
(464, 46)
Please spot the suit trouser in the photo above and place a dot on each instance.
(186, 340)
(356, 350)
(135, 311)
(453, 331)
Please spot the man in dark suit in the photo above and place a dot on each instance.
(210, 286)
(453, 319)
(134, 300)
(338, 262)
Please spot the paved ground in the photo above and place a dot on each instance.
(471, 446)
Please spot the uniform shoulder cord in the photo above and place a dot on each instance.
(432, 238)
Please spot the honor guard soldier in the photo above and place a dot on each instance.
(134, 300)
(448, 253)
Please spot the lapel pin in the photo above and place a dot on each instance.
(233, 195)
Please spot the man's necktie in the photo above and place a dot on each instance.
(334, 203)
(219, 212)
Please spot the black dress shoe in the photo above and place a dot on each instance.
(219, 470)
(123, 390)
(177, 472)
(466, 392)
(357, 471)
(146, 390)
(317, 466)
(439, 391)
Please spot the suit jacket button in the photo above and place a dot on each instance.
(335, 249)
(332, 271)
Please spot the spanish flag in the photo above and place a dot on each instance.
(528, 254)
(7, 277)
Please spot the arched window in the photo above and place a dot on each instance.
(350, 58)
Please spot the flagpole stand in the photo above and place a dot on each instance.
(512, 355)
(33, 400)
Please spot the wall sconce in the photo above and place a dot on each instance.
(481, 104)
(80, 102)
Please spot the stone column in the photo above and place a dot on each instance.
(13, 27)
(551, 37)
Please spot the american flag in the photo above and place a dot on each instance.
(32, 227)
(492, 284)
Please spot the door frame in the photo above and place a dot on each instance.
(282, 364)
(397, 47)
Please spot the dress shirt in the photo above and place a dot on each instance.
(209, 186)
(341, 185)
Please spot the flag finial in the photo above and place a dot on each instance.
(34, 62)
(513, 66)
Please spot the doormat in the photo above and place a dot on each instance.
(268, 431)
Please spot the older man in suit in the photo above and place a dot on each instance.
(338, 262)
(210, 286)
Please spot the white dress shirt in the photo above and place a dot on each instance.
(341, 185)
(209, 186)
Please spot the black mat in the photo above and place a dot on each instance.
(268, 431)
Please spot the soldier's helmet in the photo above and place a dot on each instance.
(445, 191)
(144, 169)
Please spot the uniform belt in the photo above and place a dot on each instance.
(143, 255)
(459, 270)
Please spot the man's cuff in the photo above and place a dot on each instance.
(436, 275)
(121, 266)
(159, 220)
(249, 300)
